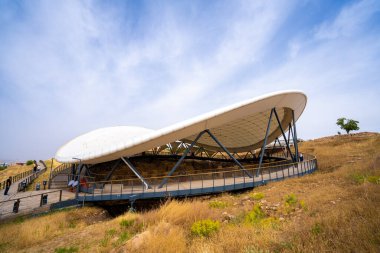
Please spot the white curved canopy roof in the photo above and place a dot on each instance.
(239, 127)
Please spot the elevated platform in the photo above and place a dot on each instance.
(33, 202)
(195, 184)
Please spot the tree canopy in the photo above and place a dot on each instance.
(348, 124)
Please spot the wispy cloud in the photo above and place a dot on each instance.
(69, 67)
(350, 21)
(338, 71)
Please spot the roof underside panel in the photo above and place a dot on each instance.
(240, 127)
(246, 133)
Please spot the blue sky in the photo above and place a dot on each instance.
(68, 67)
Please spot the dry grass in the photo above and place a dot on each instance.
(336, 209)
(51, 162)
(29, 234)
(156, 240)
(183, 213)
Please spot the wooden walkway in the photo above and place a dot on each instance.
(182, 186)
(176, 186)
(30, 201)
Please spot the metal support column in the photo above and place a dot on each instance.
(112, 170)
(130, 165)
(165, 180)
(295, 140)
(282, 148)
(229, 154)
(283, 133)
(274, 145)
(290, 131)
(77, 177)
(265, 142)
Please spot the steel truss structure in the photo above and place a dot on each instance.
(176, 148)
(291, 133)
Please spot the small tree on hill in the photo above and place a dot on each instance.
(29, 162)
(348, 124)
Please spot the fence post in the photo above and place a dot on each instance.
(234, 179)
(213, 183)
(270, 176)
(60, 195)
(111, 189)
(282, 169)
(244, 180)
(94, 186)
(202, 182)
(253, 178)
(298, 172)
(224, 182)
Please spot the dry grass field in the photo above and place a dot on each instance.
(336, 209)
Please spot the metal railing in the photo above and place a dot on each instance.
(65, 170)
(29, 179)
(194, 184)
(60, 169)
(17, 177)
(28, 203)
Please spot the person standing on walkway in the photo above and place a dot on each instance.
(7, 185)
(301, 157)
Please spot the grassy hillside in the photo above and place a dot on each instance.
(336, 209)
